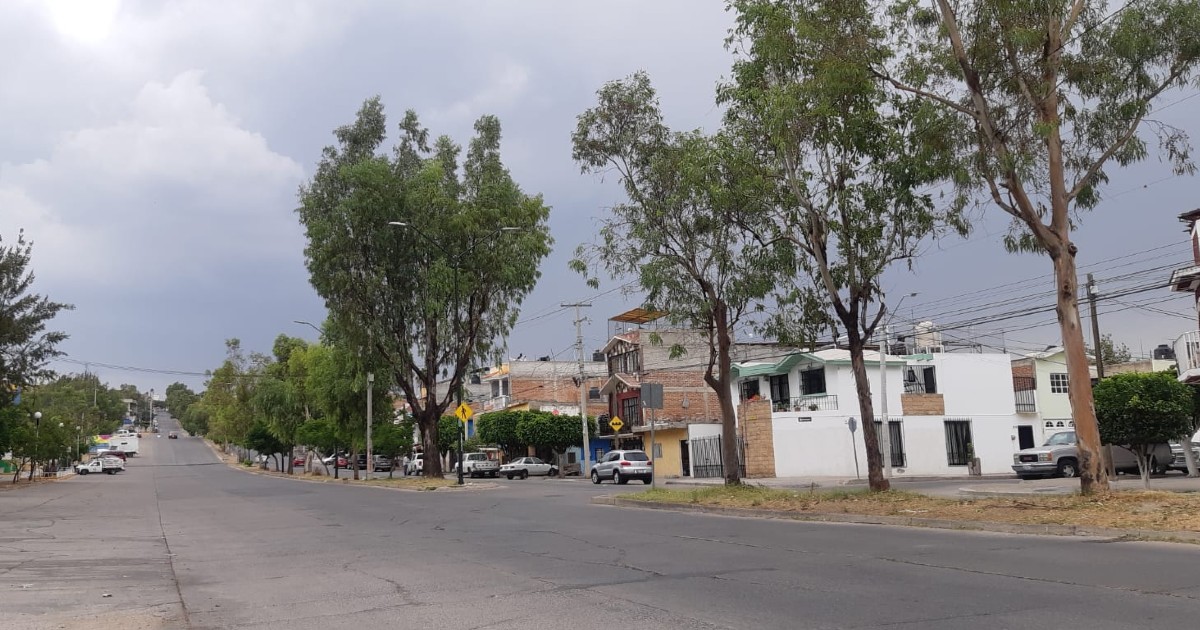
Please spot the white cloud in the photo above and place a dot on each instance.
(178, 184)
(507, 82)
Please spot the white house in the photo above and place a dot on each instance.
(943, 408)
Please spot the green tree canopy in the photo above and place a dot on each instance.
(500, 428)
(439, 293)
(680, 233)
(547, 430)
(1140, 410)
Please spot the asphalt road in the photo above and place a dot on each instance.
(180, 541)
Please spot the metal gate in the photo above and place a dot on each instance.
(706, 457)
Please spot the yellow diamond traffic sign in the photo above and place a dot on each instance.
(464, 412)
(616, 423)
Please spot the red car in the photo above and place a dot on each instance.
(298, 461)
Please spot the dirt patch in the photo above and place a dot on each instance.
(1159, 511)
(6, 482)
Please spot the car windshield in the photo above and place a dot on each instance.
(1065, 438)
(636, 457)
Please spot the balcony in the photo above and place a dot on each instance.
(495, 403)
(810, 402)
(1187, 356)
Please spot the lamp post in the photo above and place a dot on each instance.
(78, 443)
(455, 262)
(60, 425)
(37, 441)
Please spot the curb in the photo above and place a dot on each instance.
(912, 521)
(345, 482)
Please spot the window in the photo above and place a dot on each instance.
(658, 451)
(779, 388)
(749, 389)
(631, 411)
(896, 441)
(1058, 383)
(958, 442)
(812, 381)
(594, 393)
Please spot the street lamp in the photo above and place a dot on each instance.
(455, 262)
(60, 425)
(37, 441)
(310, 325)
(78, 443)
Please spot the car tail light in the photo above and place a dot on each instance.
(626, 464)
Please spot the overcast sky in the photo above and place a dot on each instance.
(152, 151)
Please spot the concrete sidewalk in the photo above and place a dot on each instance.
(824, 482)
(1171, 482)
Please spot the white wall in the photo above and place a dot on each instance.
(698, 431)
(822, 447)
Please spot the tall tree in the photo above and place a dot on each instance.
(842, 165)
(282, 396)
(437, 294)
(1049, 95)
(336, 381)
(1111, 352)
(679, 231)
(228, 396)
(25, 344)
(178, 398)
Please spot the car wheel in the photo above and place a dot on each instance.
(509, 475)
(84, 471)
(595, 478)
(553, 472)
(524, 474)
(1068, 468)
(617, 478)
(1156, 468)
(646, 481)
(494, 474)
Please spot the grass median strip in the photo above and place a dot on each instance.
(1162, 511)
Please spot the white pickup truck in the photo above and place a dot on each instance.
(106, 465)
(479, 465)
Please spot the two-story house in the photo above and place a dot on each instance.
(944, 409)
(1187, 280)
(676, 359)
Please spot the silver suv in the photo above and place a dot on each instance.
(1060, 456)
(621, 466)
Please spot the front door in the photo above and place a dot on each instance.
(1025, 437)
(685, 457)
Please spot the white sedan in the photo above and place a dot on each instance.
(525, 466)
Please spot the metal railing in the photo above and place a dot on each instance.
(495, 403)
(811, 402)
(1187, 351)
(1025, 394)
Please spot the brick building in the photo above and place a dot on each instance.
(690, 407)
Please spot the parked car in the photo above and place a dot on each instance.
(1059, 456)
(478, 465)
(383, 463)
(525, 466)
(173, 435)
(298, 460)
(106, 465)
(329, 461)
(416, 465)
(621, 466)
(1178, 461)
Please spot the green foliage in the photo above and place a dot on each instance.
(260, 438)
(229, 395)
(179, 397)
(336, 384)
(555, 432)
(392, 440)
(1143, 408)
(500, 428)
(25, 344)
(1111, 352)
(447, 434)
(195, 419)
(319, 434)
(439, 294)
(78, 400)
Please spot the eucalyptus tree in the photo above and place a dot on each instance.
(281, 396)
(1048, 96)
(336, 383)
(423, 258)
(680, 231)
(843, 163)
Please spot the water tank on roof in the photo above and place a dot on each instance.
(1164, 352)
(926, 336)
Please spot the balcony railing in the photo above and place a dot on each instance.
(1187, 352)
(811, 402)
(495, 403)
(1025, 394)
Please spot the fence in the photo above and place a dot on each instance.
(706, 457)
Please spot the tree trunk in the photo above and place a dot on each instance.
(433, 457)
(1143, 461)
(1092, 475)
(1189, 456)
(354, 462)
(720, 384)
(866, 409)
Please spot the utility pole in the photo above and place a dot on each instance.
(370, 416)
(1091, 289)
(885, 440)
(584, 460)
